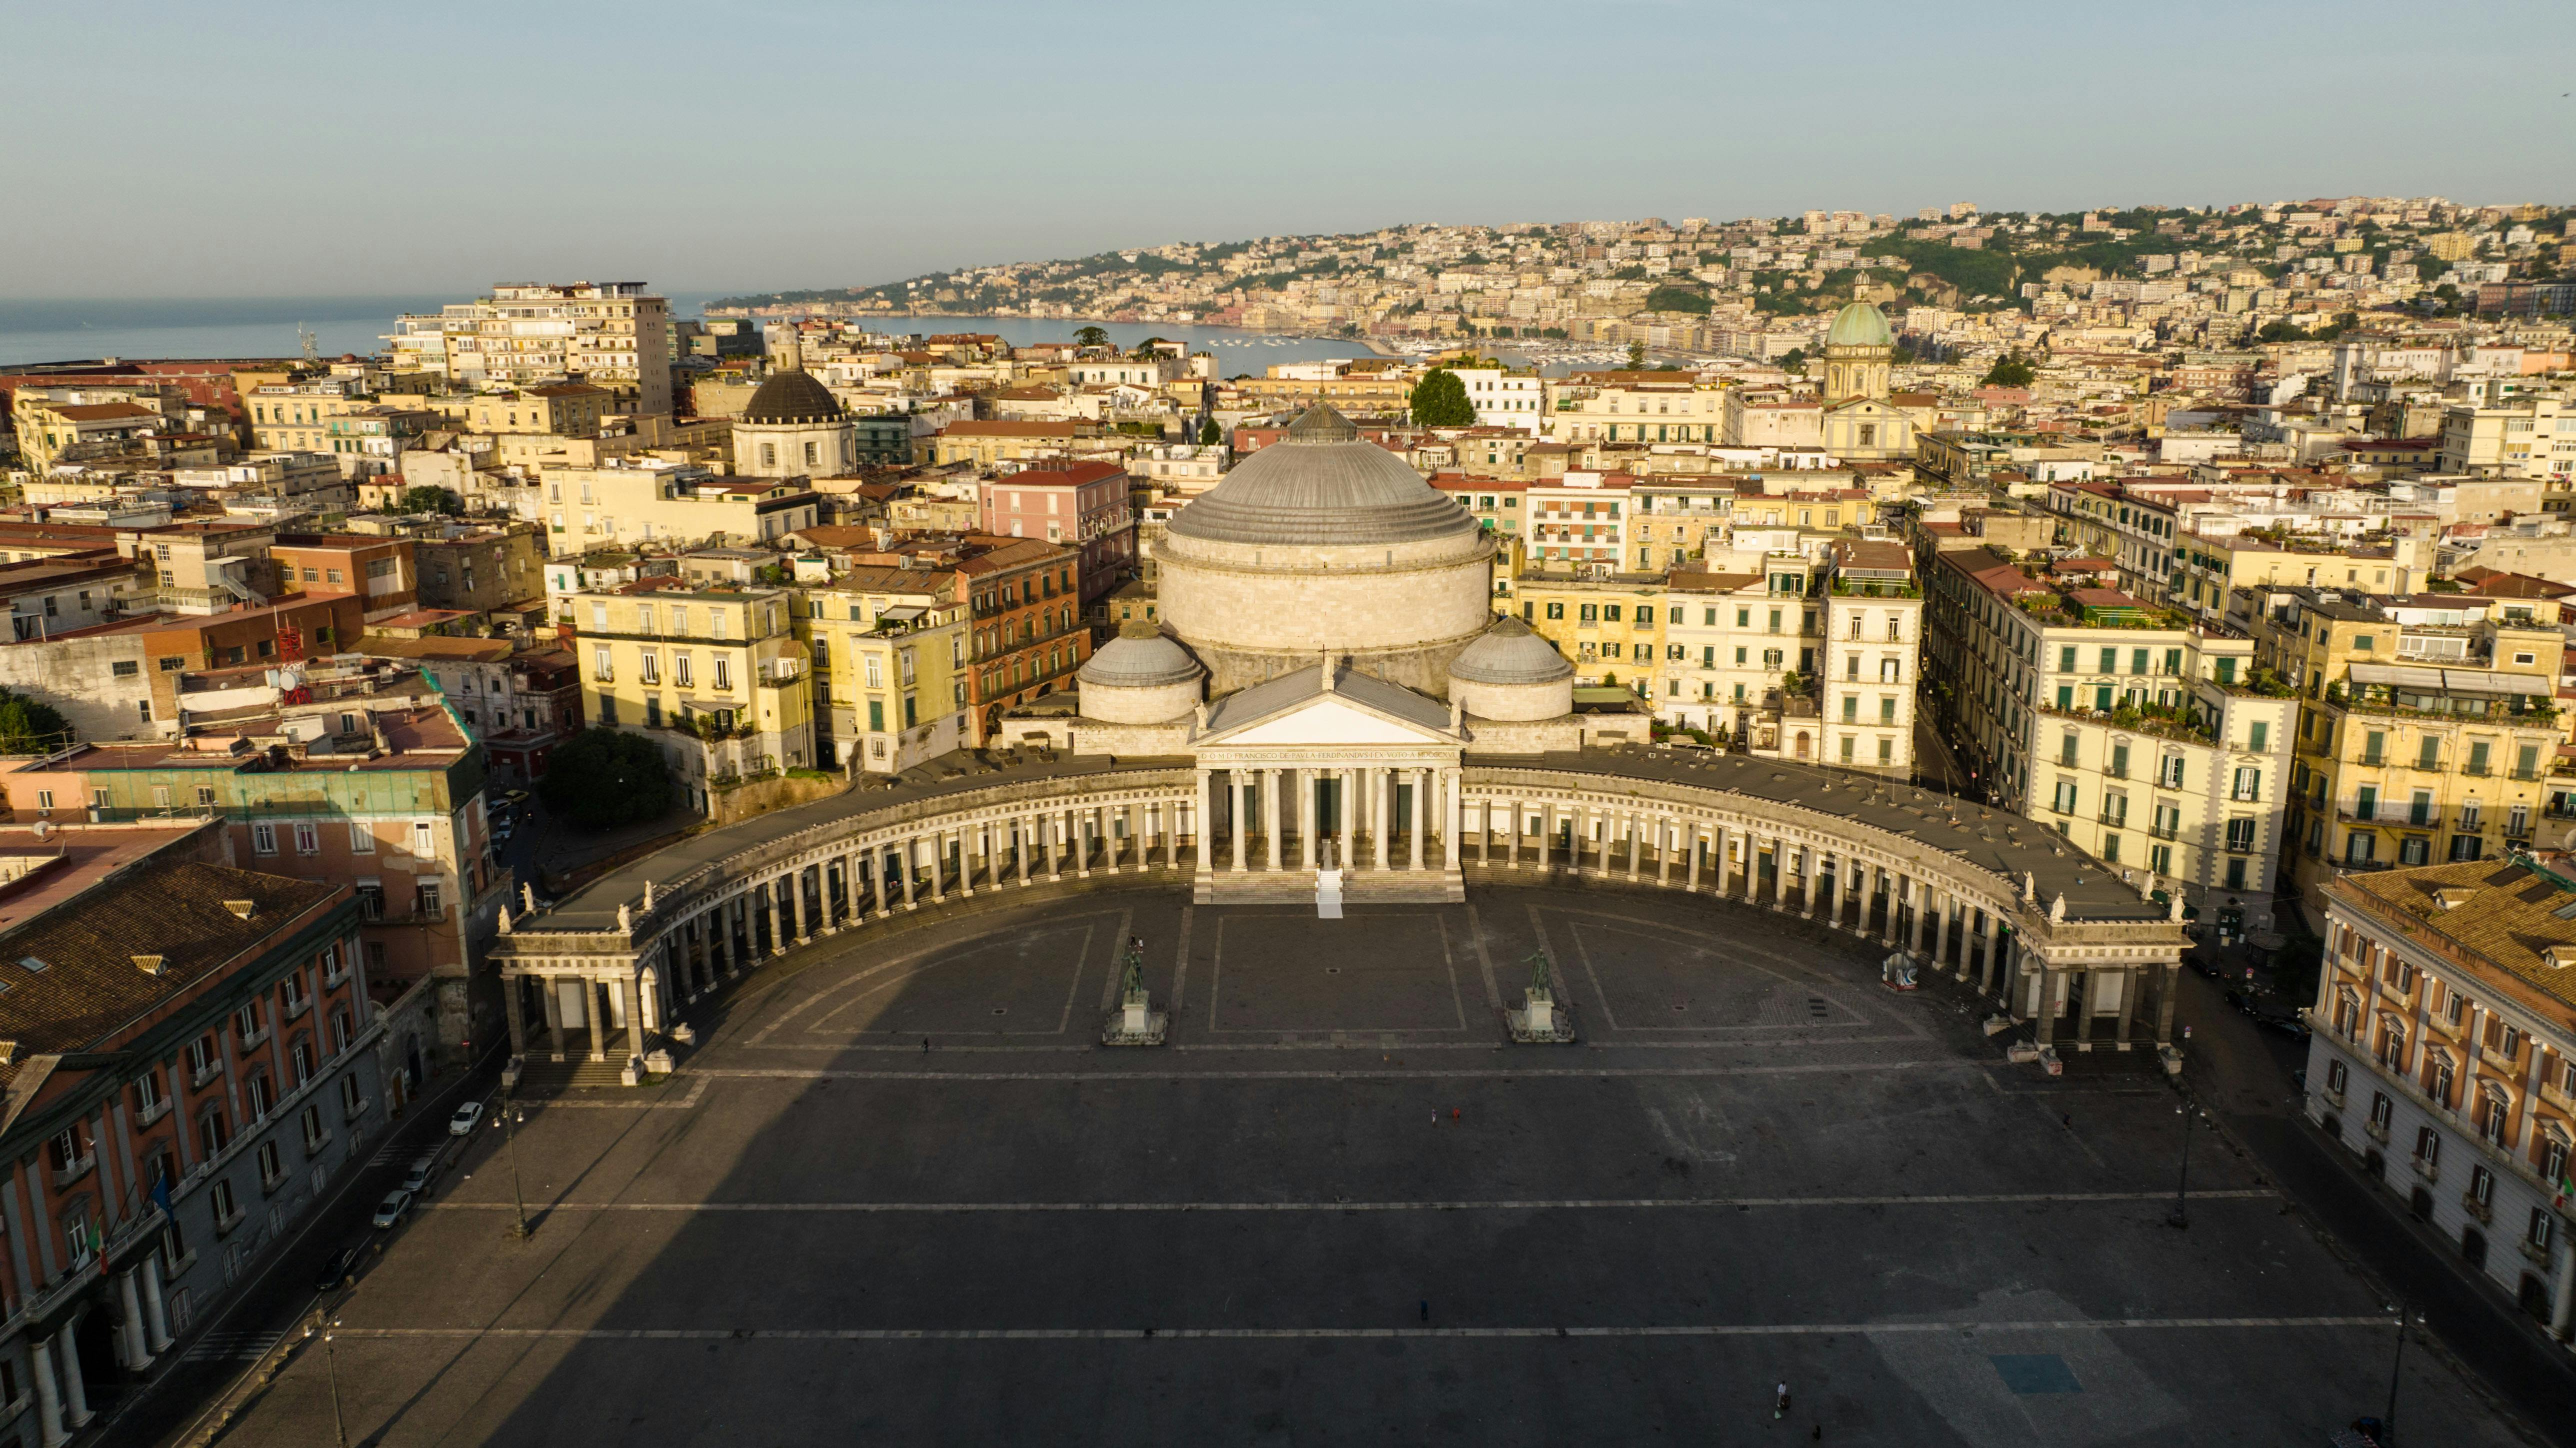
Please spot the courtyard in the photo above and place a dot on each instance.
(900, 1194)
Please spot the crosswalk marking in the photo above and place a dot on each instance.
(232, 1347)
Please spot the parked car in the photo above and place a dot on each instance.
(391, 1209)
(336, 1269)
(2279, 1016)
(462, 1123)
(422, 1170)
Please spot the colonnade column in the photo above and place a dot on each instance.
(1921, 896)
(1663, 850)
(1546, 834)
(904, 862)
(1811, 881)
(1453, 818)
(1987, 981)
(1202, 863)
(1270, 817)
(1690, 878)
(1895, 905)
(634, 1016)
(1779, 874)
(1347, 818)
(1422, 804)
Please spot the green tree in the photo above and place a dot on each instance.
(28, 727)
(1794, 361)
(1210, 434)
(2010, 370)
(430, 500)
(604, 778)
(1636, 356)
(1670, 298)
(1091, 337)
(1440, 400)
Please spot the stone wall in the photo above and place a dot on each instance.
(80, 677)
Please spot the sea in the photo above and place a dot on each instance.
(134, 329)
(140, 328)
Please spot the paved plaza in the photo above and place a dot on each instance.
(901, 1195)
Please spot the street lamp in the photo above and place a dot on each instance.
(331, 1364)
(2397, 1365)
(512, 1116)
(2180, 1216)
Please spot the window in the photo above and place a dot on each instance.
(314, 1135)
(2537, 1236)
(2249, 784)
(212, 1134)
(2257, 735)
(2336, 1074)
(270, 1166)
(2482, 1187)
(2428, 1146)
(2382, 1111)
(351, 1103)
(308, 838)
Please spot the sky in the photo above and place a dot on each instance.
(275, 149)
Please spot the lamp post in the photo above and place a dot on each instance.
(511, 1116)
(2180, 1216)
(331, 1365)
(2396, 1366)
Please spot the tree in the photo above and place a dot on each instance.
(1440, 400)
(1210, 434)
(1670, 298)
(1091, 337)
(430, 500)
(28, 727)
(2010, 370)
(604, 778)
(1794, 361)
(1636, 356)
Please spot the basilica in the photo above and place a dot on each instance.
(1327, 709)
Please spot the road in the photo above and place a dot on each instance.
(2244, 1075)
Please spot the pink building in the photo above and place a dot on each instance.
(1083, 506)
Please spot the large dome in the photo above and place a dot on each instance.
(1322, 484)
(792, 396)
(1859, 324)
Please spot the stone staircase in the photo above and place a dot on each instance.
(541, 1078)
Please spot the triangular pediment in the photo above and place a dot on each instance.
(1328, 719)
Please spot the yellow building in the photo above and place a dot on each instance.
(711, 672)
(890, 666)
(1628, 408)
(652, 500)
(1610, 628)
(566, 409)
(56, 424)
(610, 333)
(296, 416)
(2208, 571)
(2427, 727)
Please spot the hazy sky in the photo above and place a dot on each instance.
(293, 149)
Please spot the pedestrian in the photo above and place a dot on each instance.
(1780, 1402)
(1453, 1113)
(1426, 1309)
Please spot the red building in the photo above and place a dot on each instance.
(1083, 507)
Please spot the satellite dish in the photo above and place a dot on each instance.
(44, 831)
(2567, 841)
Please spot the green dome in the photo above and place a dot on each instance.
(1860, 325)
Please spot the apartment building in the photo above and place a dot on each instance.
(194, 1062)
(1608, 625)
(653, 500)
(351, 774)
(559, 409)
(2532, 436)
(2427, 730)
(1083, 506)
(2213, 574)
(1578, 520)
(891, 673)
(65, 424)
(1872, 653)
(2442, 1040)
(1630, 409)
(1027, 631)
(1505, 399)
(613, 334)
(2148, 740)
(712, 672)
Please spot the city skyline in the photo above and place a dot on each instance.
(1730, 114)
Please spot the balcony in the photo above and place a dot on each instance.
(73, 1170)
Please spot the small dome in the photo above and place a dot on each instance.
(1322, 484)
(1142, 660)
(1510, 652)
(1860, 325)
(792, 396)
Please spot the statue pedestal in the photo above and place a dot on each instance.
(1134, 1023)
(1540, 1021)
(1897, 971)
